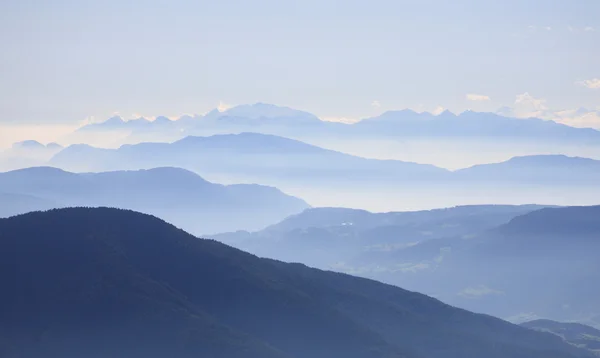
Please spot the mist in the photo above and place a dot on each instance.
(300, 179)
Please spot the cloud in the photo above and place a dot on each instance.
(438, 110)
(581, 118)
(478, 292)
(376, 104)
(477, 97)
(340, 119)
(528, 106)
(410, 268)
(222, 107)
(528, 100)
(535, 28)
(594, 83)
(581, 29)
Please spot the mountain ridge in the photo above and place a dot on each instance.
(172, 193)
(301, 312)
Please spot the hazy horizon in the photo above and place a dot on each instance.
(300, 179)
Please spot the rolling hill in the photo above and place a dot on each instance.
(577, 334)
(107, 282)
(549, 253)
(328, 178)
(246, 156)
(173, 194)
(326, 237)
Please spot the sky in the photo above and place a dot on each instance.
(65, 61)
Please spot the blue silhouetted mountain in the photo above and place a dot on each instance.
(448, 140)
(12, 204)
(407, 123)
(33, 145)
(272, 119)
(538, 169)
(268, 111)
(541, 263)
(26, 154)
(577, 334)
(177, 195)
(324, 237)
(330, 178)
(245, 157)
(111, 283)
(238, 118)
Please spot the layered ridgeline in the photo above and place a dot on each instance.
(330, 238)
(512, 262)
(27, 154)
(329, 178)
(112, 283)
(272, 119)
(577, 334)
(173, 194)
(447, 139)
(249, 156)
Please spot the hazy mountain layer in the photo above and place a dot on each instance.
(328, 178)
(173, 194)
(329, 237)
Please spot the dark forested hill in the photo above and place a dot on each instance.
(112, 283)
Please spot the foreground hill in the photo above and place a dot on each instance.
(177, 195)
(107, 282)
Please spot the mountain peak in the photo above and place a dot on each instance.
(446, 113)
(114, 120)
(265, 110)
(162, 120)
(28, 144)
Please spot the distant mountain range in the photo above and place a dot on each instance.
(27, 153)
(275, 119)
(244, 156)
(471, 124)
(106, 282)
(261, 156)
(330, 178)
(505, 261)
(177, 195)
(448, 140)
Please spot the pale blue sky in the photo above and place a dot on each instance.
(65, 60)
